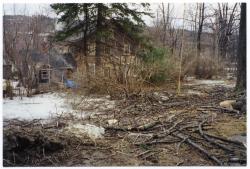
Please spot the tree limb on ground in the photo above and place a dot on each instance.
(211, 140)
(201, 149)
(226, 110)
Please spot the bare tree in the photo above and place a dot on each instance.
(21, 38)
(182, 44)
(226, 21)
(200, 26)
(165, 21)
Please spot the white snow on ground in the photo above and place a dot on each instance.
(39, 106)
(80, 130)
(44, 106)
(211, 83)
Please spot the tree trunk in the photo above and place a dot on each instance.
(201, 20)
(98, 34)
(85, 43)
(164, 25)
(241, 66)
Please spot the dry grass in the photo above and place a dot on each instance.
(203, 67)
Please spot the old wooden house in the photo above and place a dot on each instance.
(118, 52)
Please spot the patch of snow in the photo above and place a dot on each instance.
(211, 83)
(92, 131)
(112, 121)
(40, 106)
(189, 78)
(45, 106)
(92, 104)
(194, 92)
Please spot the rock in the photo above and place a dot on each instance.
(243, 109)
(237, 105)
(240, 103)
(112, 122)
(228, 104)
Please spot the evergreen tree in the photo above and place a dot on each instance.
(94, 17)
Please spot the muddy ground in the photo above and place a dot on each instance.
(153, 128)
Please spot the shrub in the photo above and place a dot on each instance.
(159, 65)
(203, 67)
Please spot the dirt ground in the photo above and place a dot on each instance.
(154, 128)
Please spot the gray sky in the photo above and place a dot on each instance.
(27, 9)
(32, 9)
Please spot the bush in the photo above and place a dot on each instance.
(158, 65)
(203, 68)
(9, 89)
(98, 83)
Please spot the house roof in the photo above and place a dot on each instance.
(54, 59)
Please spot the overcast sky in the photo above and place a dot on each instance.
(32, 9)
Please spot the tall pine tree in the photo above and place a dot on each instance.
(93, 17)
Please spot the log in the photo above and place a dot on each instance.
(168, 131)
(140, 128)
(201, 149)
(158, 142)
(147, 126)
(223, 109)
(211, 140)
(174, 104)
(226, 140)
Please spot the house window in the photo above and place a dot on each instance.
(107, 72)
(92, 68)
(103, 39)
(126, 49)
(107, 50)
(91, 49)
(112, 34)
(44, 74)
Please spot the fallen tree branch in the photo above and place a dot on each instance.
(168, 131)
(158, 142)
(174, 104)
(201, 149)
(231, 111)
(211, 140)
(226, 140)
(140, 128)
